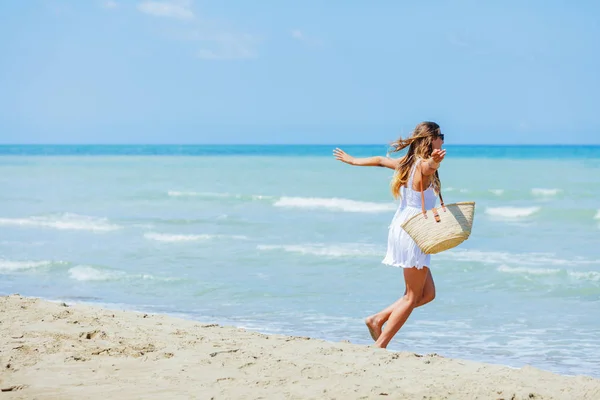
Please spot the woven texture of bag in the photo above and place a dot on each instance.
(440, 228)
(451, 228)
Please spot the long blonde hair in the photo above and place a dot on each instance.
(420, 145)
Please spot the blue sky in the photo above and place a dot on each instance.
(184, 71)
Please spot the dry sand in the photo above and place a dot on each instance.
(58, 351)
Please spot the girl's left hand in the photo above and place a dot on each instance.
(342, 156)
(438, 155)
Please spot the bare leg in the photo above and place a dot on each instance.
(428, 290)
(415, 282)
(375, 322)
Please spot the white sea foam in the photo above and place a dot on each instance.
(511, 212)
(215, 195)
(336, 250)
(578, 275)
(597, 216)
(586, 275)
(67, 221)
(515, 259)
(8, 265)
(545, 192)
(174, 193)
(334, 204)
(172, 238)
(530, 271)
(87, 273)
(163, 237)
(497, 192)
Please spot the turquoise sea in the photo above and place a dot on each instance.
(285, 239)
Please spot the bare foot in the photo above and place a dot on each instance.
(374, 327)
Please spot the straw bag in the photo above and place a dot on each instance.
(434, 231)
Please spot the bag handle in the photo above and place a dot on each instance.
(423, 197)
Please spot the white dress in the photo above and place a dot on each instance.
(402, 251)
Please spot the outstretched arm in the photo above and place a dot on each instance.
(376, 161)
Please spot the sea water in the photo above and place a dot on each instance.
(287, 240)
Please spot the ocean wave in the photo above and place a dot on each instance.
(173, 238)
(87, 273)
(334, 204)
(174, 193)
(586, 275)
(511, 212)
(66, 221)
(157, 223)
(8, 265)
(545, 192)
(578, 275)
(335, 250)
(497, 192)
(215, 195)
(597, 216)
(520, 259)
(453, 189)
(531, 271)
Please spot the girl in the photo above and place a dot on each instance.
(418, 166)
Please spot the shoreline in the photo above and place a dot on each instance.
(128, 308)
(55, 350)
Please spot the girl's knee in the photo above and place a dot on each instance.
(428, 297)
(411, 299)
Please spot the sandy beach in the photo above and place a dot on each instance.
(54, 350)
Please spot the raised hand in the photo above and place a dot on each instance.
(342, 156)
(438, 155)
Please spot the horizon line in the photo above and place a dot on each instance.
(293, 144)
